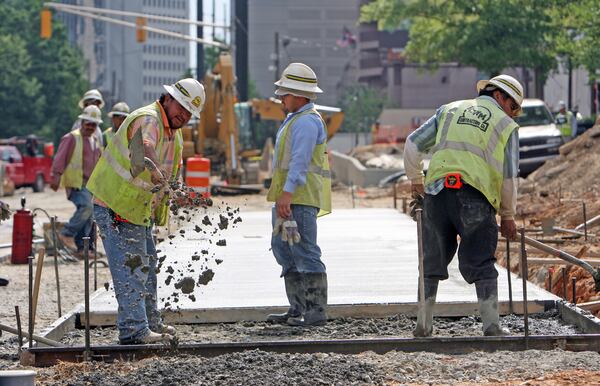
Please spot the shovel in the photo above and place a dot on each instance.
(421, 311)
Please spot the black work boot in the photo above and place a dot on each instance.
(487, 297)
(425, 316)
(316, 301)
(294, 289)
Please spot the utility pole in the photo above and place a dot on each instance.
(276, 56)
(570, 87)
(214, 20)
(200, 47)
(239, 23)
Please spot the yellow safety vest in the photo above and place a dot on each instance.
(72, 176)
(317, 190)
(565, 122)
(471, 138)
(112, 183)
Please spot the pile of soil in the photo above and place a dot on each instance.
(380, 156)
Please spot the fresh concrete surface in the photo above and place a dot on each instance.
(371, 258)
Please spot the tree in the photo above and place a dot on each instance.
(362, 105)
(56, 67)
(490, 35)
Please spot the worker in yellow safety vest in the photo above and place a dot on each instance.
(472, 175)
(77, 155)
(566, 122)
(301, 191)
(117, 115)
(126, 206)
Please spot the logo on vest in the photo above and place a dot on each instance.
(476, 116)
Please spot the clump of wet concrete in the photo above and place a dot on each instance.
(206, 277)
(133, 261)
(186, 285)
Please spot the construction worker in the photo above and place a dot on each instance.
(472, 175)
(91, 97)
(75, 159)
(117, 115)
(301, 190)
(126, 206)
(567, 124)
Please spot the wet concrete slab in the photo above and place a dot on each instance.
(370, 254)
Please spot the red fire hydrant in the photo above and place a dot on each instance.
(22, 240)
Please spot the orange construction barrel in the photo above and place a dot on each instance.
(197, 175)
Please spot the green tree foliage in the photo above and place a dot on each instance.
(490, 35)
(362, 105)
(41, 81)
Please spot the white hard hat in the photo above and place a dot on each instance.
(298, 79)
(506, 83)
(562, 104)
(91, 113)
(92, 94)
(119, 109)
(189, 93)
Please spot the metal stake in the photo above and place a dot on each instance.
(564, 277)
(352, 190)
(404, 206)
(53, 224)
(421, 311)
(524, 277)
(550, 272)
(574, 283)
(30, 326)
(19, 329)
(86, 281)
(510, 297)
(584, 221)
(395, 196)
(95, 233)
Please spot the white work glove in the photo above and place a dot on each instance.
(288, 229)
(4, 211)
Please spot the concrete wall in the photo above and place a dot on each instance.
(349, 171)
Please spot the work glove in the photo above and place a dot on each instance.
(416, 203)
(4, 211)
(288, 230)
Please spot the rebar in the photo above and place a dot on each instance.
(564, 279)
(524, 277)
(53, 225)
(510, 297)
(30, 326)
(19, 328)
(584, 221)
(574, 290)
(86, 280)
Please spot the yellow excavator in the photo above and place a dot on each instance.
(226, 133)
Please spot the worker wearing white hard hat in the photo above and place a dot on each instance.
(566, 122)
(472, 175)
(91, 97)
(117, 115)
(301, 190)
(75, 159)
(128, 205)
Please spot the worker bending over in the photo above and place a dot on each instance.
(301, 190)
(472, 175)
(127, 204)
(77, 155)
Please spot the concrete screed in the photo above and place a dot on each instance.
(370, 254)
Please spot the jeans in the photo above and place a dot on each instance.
(132, 261)
(80, 224)
(304, 257)
(466, 213)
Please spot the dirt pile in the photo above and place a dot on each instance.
(380, 156)
(558, 190)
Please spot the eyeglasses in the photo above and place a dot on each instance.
(513, 105)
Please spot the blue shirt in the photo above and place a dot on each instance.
(424, 139)
(307, 132)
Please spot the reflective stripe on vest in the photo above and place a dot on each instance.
(471, 142)
(112, 182)
(72, 176)
(565, 123)
(317, 189)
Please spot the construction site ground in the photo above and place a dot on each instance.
(255, 367)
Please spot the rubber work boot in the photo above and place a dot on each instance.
(487, 297)
(294, 289)
(316, 301)
(150, 338)
(165, 329)
(425, 317)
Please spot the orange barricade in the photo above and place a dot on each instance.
(197, 175)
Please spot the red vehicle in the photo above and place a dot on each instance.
(26, 161)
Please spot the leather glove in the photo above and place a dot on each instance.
(290, 232)
(416, 203)
(4, 211)
(278, 224)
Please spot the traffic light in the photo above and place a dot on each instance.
(46, 24)
(140, 32)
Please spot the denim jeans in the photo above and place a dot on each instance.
(80, 224)
(304, 257)
(134, 283)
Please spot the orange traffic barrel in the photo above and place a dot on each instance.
(197, 175)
